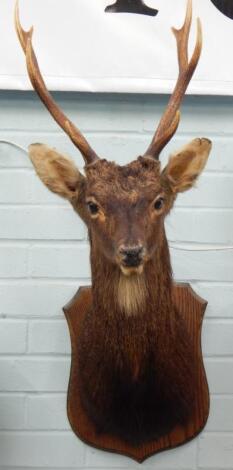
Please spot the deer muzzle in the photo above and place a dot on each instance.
(131, 259)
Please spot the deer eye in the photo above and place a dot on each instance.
(93, 208)
(158, 204)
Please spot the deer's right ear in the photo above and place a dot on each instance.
(185, 166)
(57, 172)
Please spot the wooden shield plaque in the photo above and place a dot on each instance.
(192, 308)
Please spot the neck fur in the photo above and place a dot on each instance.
(140, 350)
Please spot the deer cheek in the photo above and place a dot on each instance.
(102, 239)
(155, 236)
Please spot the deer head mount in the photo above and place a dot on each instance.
(134, 344)
(124, 207)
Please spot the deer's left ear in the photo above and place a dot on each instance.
(185, 166)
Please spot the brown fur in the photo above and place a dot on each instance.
(137, 366)
(138, 372)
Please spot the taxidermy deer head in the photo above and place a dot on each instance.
(136, 362)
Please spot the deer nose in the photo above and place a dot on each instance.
(131, 256)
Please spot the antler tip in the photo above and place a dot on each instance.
(199, 26)
(16, 5)
(22, 34)
(189, 8)
(189, 11)
(16, 14)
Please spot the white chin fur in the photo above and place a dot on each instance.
(132, 271)
(131, 292)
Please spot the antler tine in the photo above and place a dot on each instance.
(170, 119)
(182, 37)
(25, 38)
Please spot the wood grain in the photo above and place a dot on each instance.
(192, 308)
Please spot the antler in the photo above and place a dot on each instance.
(25, 38)
(171, 117)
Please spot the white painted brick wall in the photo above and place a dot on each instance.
(13, 336)
(44, 258)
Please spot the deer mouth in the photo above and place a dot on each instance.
(130, 270)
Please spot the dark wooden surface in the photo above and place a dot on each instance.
(192, 308)
(131, 6)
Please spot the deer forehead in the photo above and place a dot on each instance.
(140, 178)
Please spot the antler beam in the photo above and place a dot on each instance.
(170, 119)
(25, 38)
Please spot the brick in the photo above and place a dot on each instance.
(124, 147)
(13, 261)
(221, 414)
(119, 146)
(42, 468)
(217, 338)
(200, 226)
(202, 265)
(60, 261)
(34, 374)
(10, 156)
(198, 116)
(41, 450)
(183, 458)
(50, 337)
(35, 299)
(211, 190)
(47, 412)
(219, 375)
(41, 223)
(15, 186)
(220, 156)
(40, 194)
(51, 375)
(23, 186)
(219, 297)
(12, 412)
(124, 112)
(215, 452)
(115, 112)
(13, 336)
(120, 128)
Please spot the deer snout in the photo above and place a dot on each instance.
(131, 256)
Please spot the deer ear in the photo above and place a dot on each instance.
(57, 172)
(185, 166)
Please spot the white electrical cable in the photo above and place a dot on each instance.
(198, 247)
(13, 144)
(173, 245)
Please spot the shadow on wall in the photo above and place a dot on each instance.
(131, 6)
